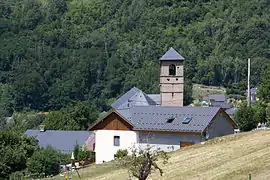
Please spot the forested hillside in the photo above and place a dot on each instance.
(54, 53)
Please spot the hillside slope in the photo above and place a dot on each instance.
(231, 157)
(53, 53)
(200, 90)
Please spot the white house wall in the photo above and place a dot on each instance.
(105, 148)
(166, 141)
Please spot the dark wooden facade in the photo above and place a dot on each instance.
(113, 122)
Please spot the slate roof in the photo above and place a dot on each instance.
(135, 97)
(155, 118)
(172, 54)
(123, 99)
(63, 141)
(155, 98)
(218, 100)
(231, 111)
(252, 90)
(224, 105)
(217, 97)
(144, 112)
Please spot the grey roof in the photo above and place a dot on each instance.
(144, 112)
(123, 99)
(223, 105)
(63, 141)
(218, 100)
(154, 98)
(125, 113)
(155, 117)
(217, 97)
(231, 111)
(135, 97)
(252, 90)
(172, 54)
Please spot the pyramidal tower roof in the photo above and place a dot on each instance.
(172, 55)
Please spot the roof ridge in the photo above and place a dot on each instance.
(172, 54)
(58, 130)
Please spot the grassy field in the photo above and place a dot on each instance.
(230, 157)
(200, 90)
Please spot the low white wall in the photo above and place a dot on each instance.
(166, 141)
(105, 148)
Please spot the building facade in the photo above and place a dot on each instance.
(172, 79)
(138, 120)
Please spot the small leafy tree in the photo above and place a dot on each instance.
(46, 161)
(142, 162)
(15, 149)
(245, 118)
(76, 151)
(121, 153)
(264, 87)
(82, 154)
(260, 112)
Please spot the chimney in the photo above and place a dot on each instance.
(41, 128)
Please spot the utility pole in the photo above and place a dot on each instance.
(248, 95)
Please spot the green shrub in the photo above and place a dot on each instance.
(244, 118)
(44, 162)
(76, 151)
(85, 155)
(121, 153)
(82, 154)
(15, 149)
(17, 175)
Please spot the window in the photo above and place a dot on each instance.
(116, 140)
(170, 120)
(172, 70)
(186, 120)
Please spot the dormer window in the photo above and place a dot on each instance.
(172, 70)
(186, 120)
(170, 120)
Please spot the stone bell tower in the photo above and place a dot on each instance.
(172, 79)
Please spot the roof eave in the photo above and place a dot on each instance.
(109, 112)
(226, 115)
(171, 131)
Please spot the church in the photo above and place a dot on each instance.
(159, 120)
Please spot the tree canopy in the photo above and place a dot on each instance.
(53, 53)
(15, 149)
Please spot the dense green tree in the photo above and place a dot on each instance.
(76, 151)
(6, 100)
(15, 149)
(82, 154)
(267, 111)
(188, 92)
(22, 121)
(264, 88)
(53, 53)
(260, 112)
(74, 117)
(44, 162)
(244, 117)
